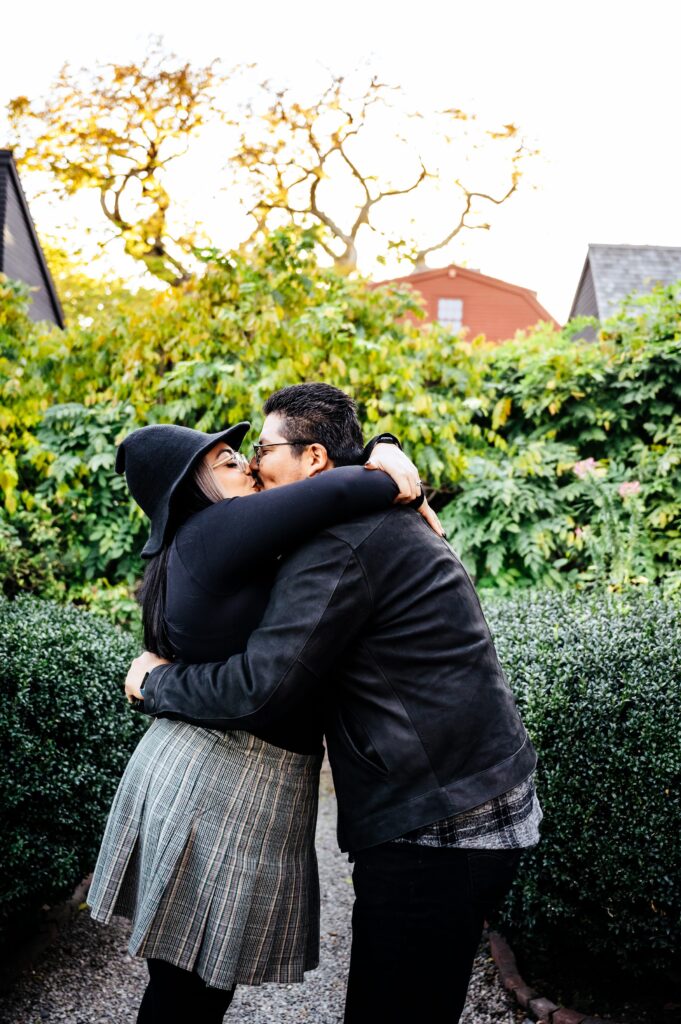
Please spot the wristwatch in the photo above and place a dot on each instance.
(136, 703)
(381, 439)
(391, 439)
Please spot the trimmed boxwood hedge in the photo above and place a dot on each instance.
(597, 680)
(66, 733)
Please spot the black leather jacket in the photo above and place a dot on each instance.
(379, 615)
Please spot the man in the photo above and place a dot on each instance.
(432, 765)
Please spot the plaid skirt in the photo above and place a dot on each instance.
(209, 848)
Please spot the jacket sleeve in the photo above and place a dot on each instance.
(318, 606)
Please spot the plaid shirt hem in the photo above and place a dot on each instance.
(510, 821)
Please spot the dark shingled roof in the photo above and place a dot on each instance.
(611, 272)
(21, 256)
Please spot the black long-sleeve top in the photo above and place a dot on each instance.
(222, 565)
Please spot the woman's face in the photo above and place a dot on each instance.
(231, 471)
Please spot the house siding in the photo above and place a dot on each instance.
(4, 187)
(18, 256)
(486, 310)
(585, 302)
(21, 257)
(490, 307)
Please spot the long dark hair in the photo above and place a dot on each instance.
(195, 493)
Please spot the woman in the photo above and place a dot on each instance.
(209, 847)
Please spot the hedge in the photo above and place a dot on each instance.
(598, 682)
(65, 735)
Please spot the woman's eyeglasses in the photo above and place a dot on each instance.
(234, 460)
(261, 449)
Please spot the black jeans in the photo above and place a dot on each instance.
(174, 996)
(416, 924)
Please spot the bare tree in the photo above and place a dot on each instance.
(117, 128)
(292, 152)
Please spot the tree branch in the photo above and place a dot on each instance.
(363, 215)
(323, 217)
(420, 256)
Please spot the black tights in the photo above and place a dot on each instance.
(174, 996)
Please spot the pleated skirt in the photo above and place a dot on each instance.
(209, 849)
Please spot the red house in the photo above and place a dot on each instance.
(463, 298)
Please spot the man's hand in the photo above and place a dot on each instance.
(138, 670)
(397, 465)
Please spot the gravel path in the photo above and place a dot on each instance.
(89, 979)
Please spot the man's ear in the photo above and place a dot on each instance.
(319, 459)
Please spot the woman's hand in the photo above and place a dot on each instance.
(431, 518)
(138, 670)
(397, 465)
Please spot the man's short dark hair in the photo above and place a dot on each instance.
(321, 413)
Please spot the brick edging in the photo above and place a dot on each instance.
(541, 1009)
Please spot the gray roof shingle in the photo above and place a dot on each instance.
(615, 271)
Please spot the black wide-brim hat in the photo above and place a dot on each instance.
(156, 459)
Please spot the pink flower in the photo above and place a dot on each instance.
(579, 532)
(584, 468)
(629, 488)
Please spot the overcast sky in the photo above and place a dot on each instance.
(595, 85)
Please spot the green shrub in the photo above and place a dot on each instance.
(497, 428)
(100, 530)
(549, 396)
(511, 524)
(202, 355)
(65, 733)
(598, 682)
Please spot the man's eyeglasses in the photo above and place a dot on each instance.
(261, 449)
